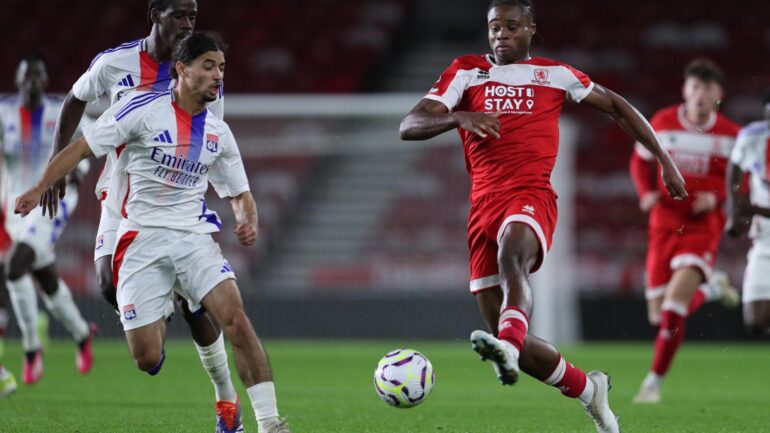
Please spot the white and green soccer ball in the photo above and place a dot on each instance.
(404, 378)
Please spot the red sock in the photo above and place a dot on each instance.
(512, 326)
(670, 337)
(697, 301)
(568, 378)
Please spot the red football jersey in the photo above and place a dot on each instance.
(530, 95)
(701, 155)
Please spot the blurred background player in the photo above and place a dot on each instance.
(160, 244)
(683, 236)
(751, 155)
(506, 109)
(28, 121)
(142, 66)
(7, 379)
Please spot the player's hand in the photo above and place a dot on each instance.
(648, 200)
(481, 124)
(672, 179)
(246, 234)
(27, 201)
(49, 201)
(704, 202)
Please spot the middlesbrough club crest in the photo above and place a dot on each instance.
(541, 76)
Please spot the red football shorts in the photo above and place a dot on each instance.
(491, 214)
(669, 250)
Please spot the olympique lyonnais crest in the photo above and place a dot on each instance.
(212, 143)
(129, 312)
(541, 76)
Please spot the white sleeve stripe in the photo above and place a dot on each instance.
(439, 99)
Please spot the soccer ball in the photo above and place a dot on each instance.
(404, 378)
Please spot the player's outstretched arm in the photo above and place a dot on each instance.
(62, 163)
(69, 118)
(635, 125)
(739, 209)
(430, 118)
(245, 210)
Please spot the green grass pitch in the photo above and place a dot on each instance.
(326, 387)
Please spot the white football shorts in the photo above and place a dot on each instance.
(107, 232)
(40, 232)
(756, 279)
(149, 262)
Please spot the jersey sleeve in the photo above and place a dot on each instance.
(91, 85)
(739, 155)
(578, 84)
(114, 127)
(228, 175)
(451, 85)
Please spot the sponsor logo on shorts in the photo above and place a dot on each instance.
(129, 312)
(528, 209)
(99, 242)
(226, 268)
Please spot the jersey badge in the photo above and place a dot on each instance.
(212, 143)
(541, 76)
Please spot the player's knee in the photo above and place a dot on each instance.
(147, 360)
(513, 261)
(236, 326)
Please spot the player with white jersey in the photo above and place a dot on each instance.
(174, 147)
(27, 121)
(506, 107)
(139, 67)
(751, 155)
(684, 235)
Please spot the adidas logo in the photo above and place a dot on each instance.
(165, 137)
(127, 81)
(226, 268)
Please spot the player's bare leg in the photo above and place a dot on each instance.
(682, 286)
(225, 304)
(518, 251)
(146, 346)
(756, 317)
(104, 276)
(654, 311)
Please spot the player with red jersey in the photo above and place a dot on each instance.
(506, 108)
(684, 235)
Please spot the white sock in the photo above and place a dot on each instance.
(262, 396)
(214, 360)
(588, 392)
(652, 380)
(24, 302)
(63, 308)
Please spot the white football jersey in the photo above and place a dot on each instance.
(752, 155)
(170, 158)
(119, 72)
(26, 139)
